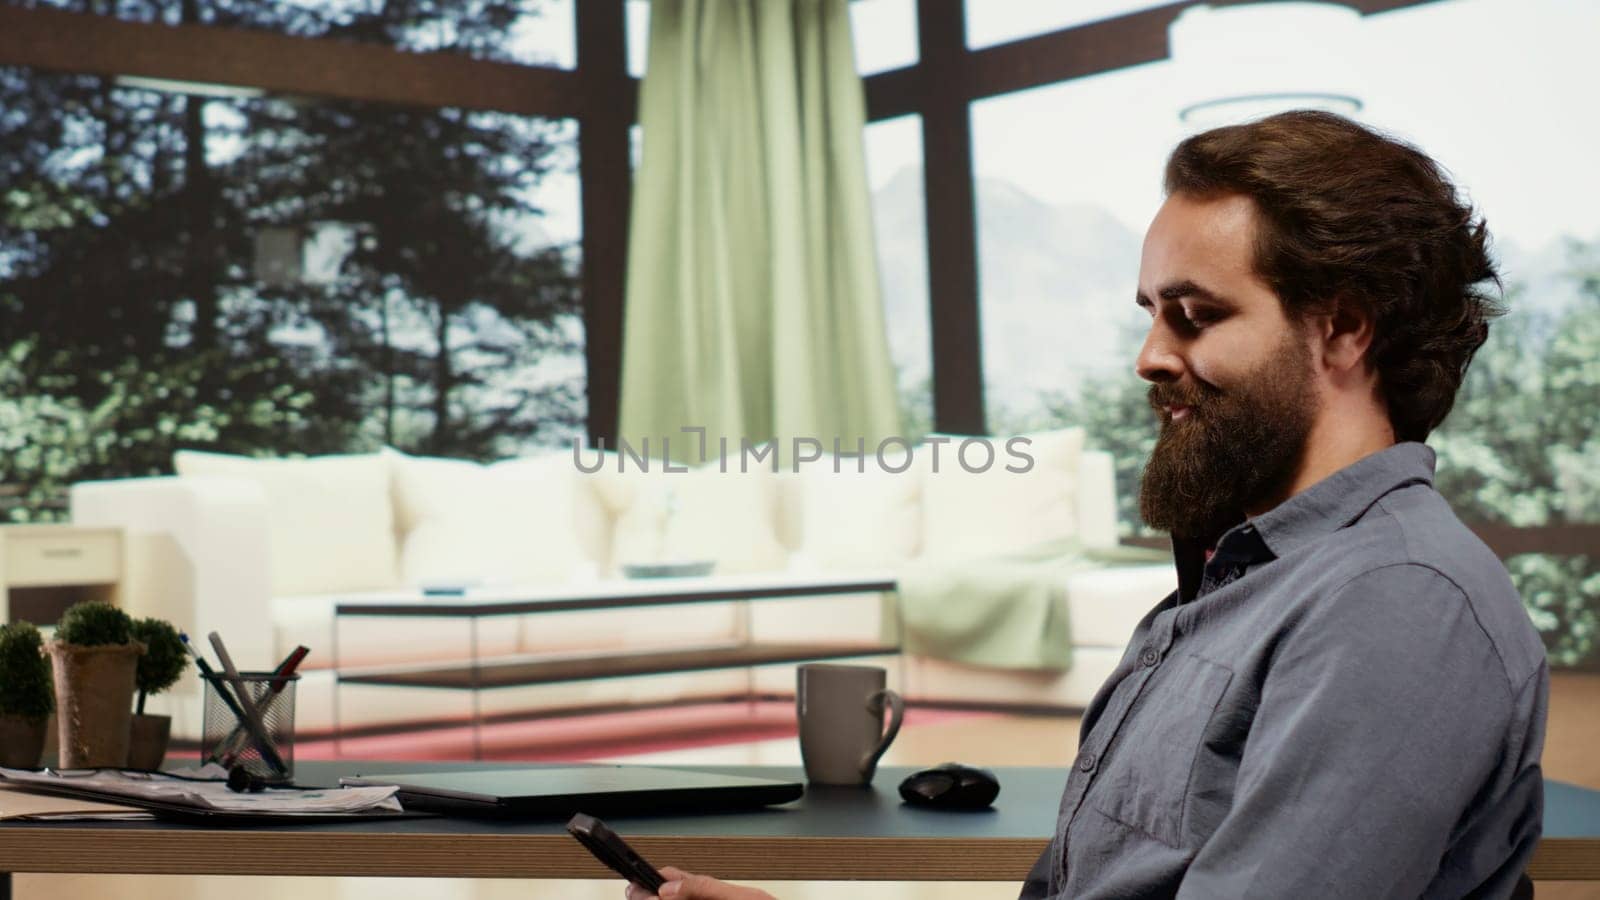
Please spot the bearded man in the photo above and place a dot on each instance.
(1344, 697)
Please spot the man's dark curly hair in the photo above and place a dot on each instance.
(1351, 216)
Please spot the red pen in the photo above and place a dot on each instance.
(280, 680)
(286, 669)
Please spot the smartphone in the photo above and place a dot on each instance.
(614, 852)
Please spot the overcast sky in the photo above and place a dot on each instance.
(1500, 91)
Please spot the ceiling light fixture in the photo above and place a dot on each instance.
(1242, 62)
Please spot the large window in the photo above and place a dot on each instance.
(895, 175)
(253, 273)
(1067, 176)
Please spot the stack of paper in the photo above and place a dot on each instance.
(204, 789)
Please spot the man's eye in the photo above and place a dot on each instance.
(1200, 318)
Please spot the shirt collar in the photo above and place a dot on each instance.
(1316, 512)
(1343, 497)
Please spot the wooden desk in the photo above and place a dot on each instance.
(831, 834)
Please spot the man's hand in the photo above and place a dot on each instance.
(683, 886)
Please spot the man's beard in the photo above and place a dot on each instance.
(1236, 448)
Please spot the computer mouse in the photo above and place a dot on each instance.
(951, 786)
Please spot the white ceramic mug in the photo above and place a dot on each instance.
(842, 733)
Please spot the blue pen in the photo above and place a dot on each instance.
(218, 754)
(261, 742)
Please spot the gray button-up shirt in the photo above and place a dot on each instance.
(1346, 700)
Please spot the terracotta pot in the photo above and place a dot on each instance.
(21, 741)
(94, 702)
(147, 740)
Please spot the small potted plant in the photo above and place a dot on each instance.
(25, 698)
(95, 657)
(163, 661)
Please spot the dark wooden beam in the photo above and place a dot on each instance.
(952, 225)
(1373, 7)
(1562, 540)
(896, 93)
(1505, 540)
(1117, 43)
(314, 67)
(610, 104)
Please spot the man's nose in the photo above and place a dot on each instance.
(1158, 360)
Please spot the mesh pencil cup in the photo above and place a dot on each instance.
(258, 735)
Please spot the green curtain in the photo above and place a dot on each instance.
(753, 305)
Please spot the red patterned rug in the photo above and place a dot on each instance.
(599, 736)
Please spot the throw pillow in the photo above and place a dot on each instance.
(703, 514)
(995, 510)
(862, 516)
(512, 522)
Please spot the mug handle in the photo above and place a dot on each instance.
(897, 712)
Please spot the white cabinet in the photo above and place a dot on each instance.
(46, 568)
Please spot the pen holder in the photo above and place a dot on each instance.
(258, 734)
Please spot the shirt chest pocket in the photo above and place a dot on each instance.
(1144, 777)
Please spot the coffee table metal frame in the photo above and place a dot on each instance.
(477, 674)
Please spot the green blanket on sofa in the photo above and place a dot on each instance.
(1005, 611)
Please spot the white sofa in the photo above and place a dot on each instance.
(261, 550)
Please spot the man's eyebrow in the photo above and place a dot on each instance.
(1180, 289)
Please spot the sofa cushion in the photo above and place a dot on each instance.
(855, 514)
(589, 525)
(995, 510)
(514, 522)
(701, 514)
(1104, 606)
(329, 518)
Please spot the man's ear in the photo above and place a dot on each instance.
(1344, 334)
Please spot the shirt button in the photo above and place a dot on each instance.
(1149, 657)
(1086, 762)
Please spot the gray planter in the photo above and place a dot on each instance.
(147, 741)
(21, 741)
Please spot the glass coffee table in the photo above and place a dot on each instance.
(477, 673)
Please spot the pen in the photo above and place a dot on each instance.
(286, 669)
(280, 680)
(206, 670)
(232, 672)
(267, 751)
(211, 676)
